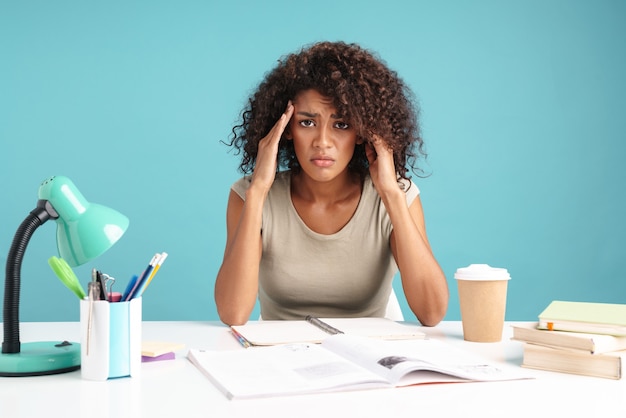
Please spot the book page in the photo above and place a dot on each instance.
(281, 370)
(404, 362)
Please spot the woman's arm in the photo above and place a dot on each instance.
(423, 281)
(236, 285)
(237, 282)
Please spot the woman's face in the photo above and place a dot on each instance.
(323, 140)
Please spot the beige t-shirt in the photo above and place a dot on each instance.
(346, 274)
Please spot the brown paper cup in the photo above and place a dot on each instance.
(483, 305)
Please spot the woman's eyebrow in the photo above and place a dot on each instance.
(314, 115)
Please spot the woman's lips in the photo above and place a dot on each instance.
(322, 161)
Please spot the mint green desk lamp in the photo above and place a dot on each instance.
(84, 231)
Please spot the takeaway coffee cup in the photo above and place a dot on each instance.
(482, 296)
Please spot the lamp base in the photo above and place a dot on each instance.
(41, 358)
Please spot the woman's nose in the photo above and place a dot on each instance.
(323, 139)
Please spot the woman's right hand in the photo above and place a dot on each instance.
(237, 282)
(267, 155)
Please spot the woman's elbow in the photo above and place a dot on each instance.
(434, 315)
(233, 317)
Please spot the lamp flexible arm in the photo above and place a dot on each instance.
(11, 316)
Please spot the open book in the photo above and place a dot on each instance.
(314, 330)
(341, 362)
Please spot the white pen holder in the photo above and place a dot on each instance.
(110, 335)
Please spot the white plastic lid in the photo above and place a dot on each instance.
(481, 272)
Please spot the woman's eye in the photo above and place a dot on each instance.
(342, 125)
(307, 123)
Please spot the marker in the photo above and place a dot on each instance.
(130, 286)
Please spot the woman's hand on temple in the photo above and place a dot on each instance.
(267, 156)
(381, 164)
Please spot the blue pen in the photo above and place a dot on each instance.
(129, 287)
(160, 259)
(142, 279)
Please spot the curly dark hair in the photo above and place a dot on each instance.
(364, 90)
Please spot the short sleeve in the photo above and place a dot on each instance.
(411, 190)
(241, 186)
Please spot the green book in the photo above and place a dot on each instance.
(590, 317)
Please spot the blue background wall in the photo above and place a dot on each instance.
(523, 107)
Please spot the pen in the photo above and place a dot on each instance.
(323, 325)
(142, 279)
(160, 261)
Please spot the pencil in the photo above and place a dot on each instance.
(160, 261)
(142, 279)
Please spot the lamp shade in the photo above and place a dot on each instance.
(84, 230)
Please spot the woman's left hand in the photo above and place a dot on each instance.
(423, 281)
(382, 167)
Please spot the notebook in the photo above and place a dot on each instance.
(315, 330)
(598, 318)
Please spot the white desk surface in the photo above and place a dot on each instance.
(175, 388)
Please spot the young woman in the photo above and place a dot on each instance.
(326, 213)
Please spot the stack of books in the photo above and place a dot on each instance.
(582, 338)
